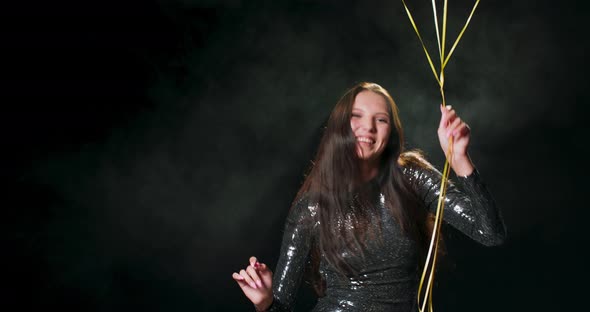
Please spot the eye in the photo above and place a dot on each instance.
(383, 120)
(356, 115)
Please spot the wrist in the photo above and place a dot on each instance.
(462, 165)
(264, 305)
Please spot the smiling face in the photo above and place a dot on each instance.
(371, 124)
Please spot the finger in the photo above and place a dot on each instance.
(448, 114)
(461, 131)
(254, 275)
(248, 279)
(451, 128)
(237, 277)
(240, 279)
(262, 269)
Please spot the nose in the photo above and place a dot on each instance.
(369, 124)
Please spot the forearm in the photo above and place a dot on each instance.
(295, 249)
(480, 216)
(469, 206)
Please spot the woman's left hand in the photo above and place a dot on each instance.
(452, 126)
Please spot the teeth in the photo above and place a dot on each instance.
(366, 140)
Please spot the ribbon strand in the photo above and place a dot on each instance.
(430, 263)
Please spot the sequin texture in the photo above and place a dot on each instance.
(389, 274)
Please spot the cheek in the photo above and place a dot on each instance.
(353, 125)
(386, 132)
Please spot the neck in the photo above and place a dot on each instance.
(369, 169)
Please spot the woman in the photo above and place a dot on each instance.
(363, 215)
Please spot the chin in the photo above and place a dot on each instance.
(366, 157)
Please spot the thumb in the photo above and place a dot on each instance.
(445, 116)
(263, 269)
(264, 272)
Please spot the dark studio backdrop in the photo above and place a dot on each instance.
(150, 147)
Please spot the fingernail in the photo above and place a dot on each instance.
(448, 107)
(253, 285)
(259, 283)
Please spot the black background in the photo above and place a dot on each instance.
(151, 147)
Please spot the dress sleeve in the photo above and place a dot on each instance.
(295, 249)
(469, 206)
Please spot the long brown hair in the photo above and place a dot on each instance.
(334, 182)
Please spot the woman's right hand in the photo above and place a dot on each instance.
(256, 283)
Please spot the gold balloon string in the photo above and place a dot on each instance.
(430, 263)
(429, 267)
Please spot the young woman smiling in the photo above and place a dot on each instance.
(362, 216)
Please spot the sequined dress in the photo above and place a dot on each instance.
(389, 274)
